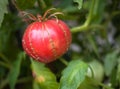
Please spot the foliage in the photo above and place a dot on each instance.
(15, 70)
(73, 75)
(93, 60)
(44, 78)
(3, 9)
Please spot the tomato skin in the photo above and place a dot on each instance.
(46, 41)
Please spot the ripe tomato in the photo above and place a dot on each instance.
(46, 41)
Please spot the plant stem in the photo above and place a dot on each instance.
(96, 26)
(84, 27)
(79, 28)
(87, 22)
(105, 86)
(63, 61)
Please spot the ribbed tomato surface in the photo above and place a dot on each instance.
(46, 41)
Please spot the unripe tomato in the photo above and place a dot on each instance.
(46, 41)
(98, 70)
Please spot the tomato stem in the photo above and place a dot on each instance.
(39, 17)
(87, 22)
(105, 86)
(63, 61)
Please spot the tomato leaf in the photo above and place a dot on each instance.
(3, 9)
(44, 78)
(25, 4)
(80, 2)
(110, 62)
(73, 75)
(14, 73)
(118, 71)
(35, 85)
(98, 11)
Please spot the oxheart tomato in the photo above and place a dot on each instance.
(47, 40)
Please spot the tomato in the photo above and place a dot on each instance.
(97, 69)
(45, 41)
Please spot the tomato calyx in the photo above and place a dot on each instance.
(40, 18)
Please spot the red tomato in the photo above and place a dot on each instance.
(46, 41)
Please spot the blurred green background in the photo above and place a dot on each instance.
(95, 28)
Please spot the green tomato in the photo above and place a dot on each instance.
(96, 70)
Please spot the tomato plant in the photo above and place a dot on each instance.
(59, 44)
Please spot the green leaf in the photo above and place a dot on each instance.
(25, 4)
(80, 2)
(73, 75)
(14, 73)
(113, 77)
(98, 11)
(44, 78)
(110, 62)
(35, 85)
(63, 3)
(118, 71)
(67, 6)
(3, 9)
